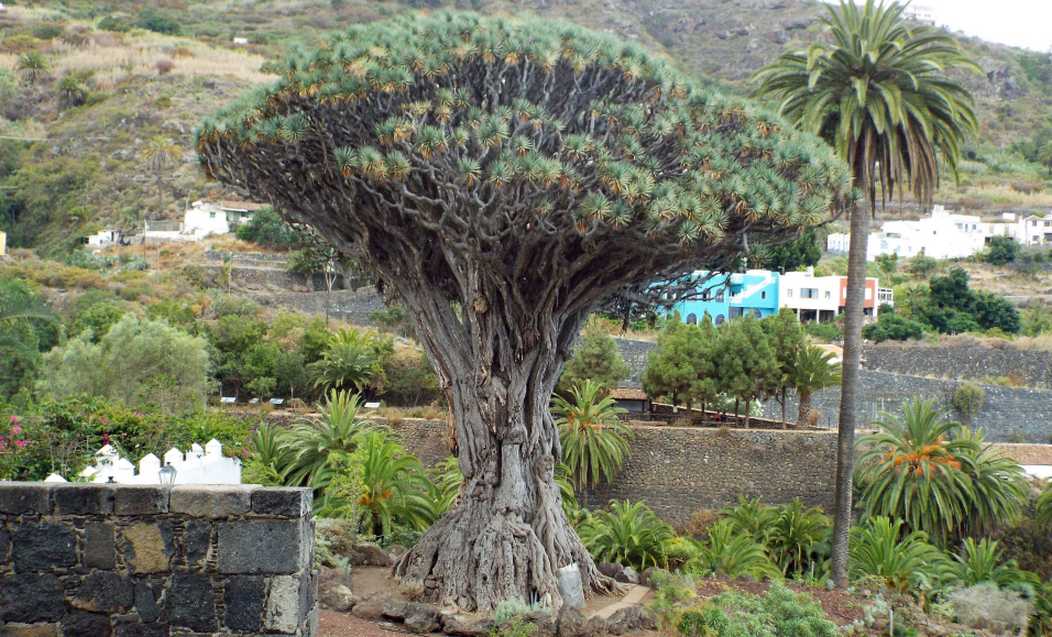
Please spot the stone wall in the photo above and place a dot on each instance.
(678, 471)
(1011, 414)
(963, 357)
(129, 561)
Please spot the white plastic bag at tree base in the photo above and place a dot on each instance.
(570, 586)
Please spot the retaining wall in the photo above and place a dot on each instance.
(131, 561)
(678, 471)
(963, 357)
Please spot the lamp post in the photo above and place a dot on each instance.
(167, 475)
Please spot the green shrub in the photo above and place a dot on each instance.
(117, 24)
(982, 561)
(268, 229)
(881, 549)
(409, 378)
(629, 534)
(986, 606)
(157, 21)
(967, 401)
(827, 332)
(1001, 251)
(730, 553)
(799, 538)
(142, 363)
(892, 327)
(777, 613)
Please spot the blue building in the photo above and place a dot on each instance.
(727, 296)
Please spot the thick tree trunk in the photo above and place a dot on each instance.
(805, 408)
(507, 535)
(856, 285)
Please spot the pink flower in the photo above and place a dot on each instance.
(20, 443)
(14, 419)
(16, 429)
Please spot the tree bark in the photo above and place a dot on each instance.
(805, 408)
(507, 535)
(856, 285)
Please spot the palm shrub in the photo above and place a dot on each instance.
(814, 368)
(395, 487)
(310, 443)
(268, 457)
(982, 561)
(777, 613)
(799, 537)
(882, 549)
(730, 553)
(753, 517)
(351, 360)
(594, 440)
(1044, 506)
(629, 534)
(935, 475)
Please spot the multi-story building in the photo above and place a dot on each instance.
(726, 296)
(763, 293)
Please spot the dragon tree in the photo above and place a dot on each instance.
(503, 177)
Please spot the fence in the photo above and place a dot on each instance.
(198, 465)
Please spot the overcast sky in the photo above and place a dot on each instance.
(1026, 23)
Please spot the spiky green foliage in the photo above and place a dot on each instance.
(752, 517)
(629, 534)
(311, 443)
(540, 126)
(982, 561)
(936, 476)
(595, 441)
(1044, 505)
(352, 361)
(883, 549)
(813, 368)
(879, 91)
(396, 489)
(728, 552)
(798, 537)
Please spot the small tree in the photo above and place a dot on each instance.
(1001, 251)
(141, 362)
(488, 170)
(788, 341)
(745, 363)
(814, 368)
(967, 401)
(673, 366)
(597, 359)
(319, 255)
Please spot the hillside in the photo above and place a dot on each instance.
(121, 77)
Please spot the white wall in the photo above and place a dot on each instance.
(199, 465)
(790, 285)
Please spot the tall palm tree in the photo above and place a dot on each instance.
(879, 93)
(813, 369)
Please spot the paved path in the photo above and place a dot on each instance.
(633, 597)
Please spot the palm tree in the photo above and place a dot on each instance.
(813, 369)
(879, 93)
(311, 443)
(935, 476)
(159, 153)
(594, 440)
(1044, 505)
(352, 360)
(33, 66)
(395, 487)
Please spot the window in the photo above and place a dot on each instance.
(829, 294)
(719, 297)
(763, 294)
(212, 215)
(869, 293)
(692, 319)
(789, 292)
(809, 293)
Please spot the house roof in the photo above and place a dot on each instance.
(628, 393)
(1025, 454)
(233, 204)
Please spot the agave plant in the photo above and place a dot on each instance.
(629, 534)
(880, 548)
(797, 537)
(982, 562)
(728, 552)
(594, 440)
(936, 476)
(395, 487)
(310, 443)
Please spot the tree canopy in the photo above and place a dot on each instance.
(502, 177)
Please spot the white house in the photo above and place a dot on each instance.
(814, 298)
(203, 219)
(104, 238)
(1034, 230)
(941, 235)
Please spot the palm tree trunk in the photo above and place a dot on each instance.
(856, 285)
(805, 408)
